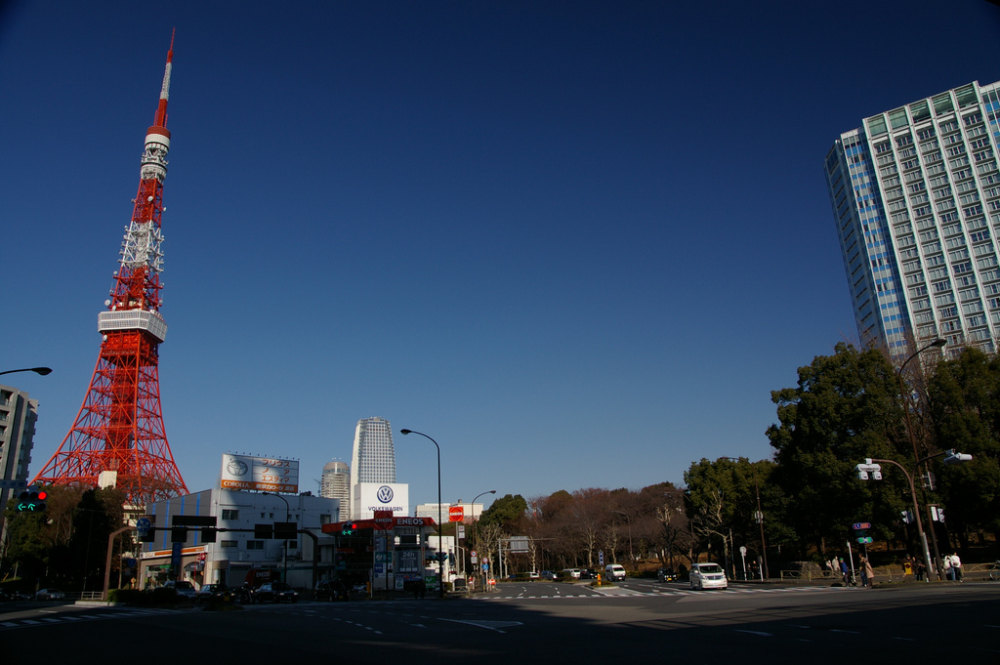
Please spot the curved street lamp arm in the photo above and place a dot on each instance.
(37, 370)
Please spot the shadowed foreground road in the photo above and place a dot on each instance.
(916, 624)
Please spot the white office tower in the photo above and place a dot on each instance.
(374, 458)
(916, 196)
(373, 470)
(336, 484)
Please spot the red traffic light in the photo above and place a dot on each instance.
(42, 496)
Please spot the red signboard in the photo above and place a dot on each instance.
(456, 514)
(383, 519)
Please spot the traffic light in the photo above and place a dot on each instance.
(31, 501)
(208, 534)
(348, 529)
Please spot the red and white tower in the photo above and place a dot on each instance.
(118, 436)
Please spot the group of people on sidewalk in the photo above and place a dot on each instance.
(952, 567)
(951, 562)
(864, 567)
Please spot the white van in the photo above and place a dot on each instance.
(614, 571)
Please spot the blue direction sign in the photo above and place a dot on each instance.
(142, 526)
(861, 526)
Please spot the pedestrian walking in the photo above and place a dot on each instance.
(956, 567)
(949, 572)
(921, 570)
(869, 574)
(845, 572)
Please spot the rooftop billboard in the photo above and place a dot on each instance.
(264, 474)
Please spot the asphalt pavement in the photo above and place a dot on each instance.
(915, 624)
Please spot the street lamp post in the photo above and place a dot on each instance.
(440, 524)
(952, 457)
(474, 519)
(905, 394)
(37, 370)
(916, 509)
(284, 554)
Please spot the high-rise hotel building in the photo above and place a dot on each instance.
(18, 414)
(336, 484)
(916, 195)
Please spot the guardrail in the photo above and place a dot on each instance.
(810, 576)
(891, 573)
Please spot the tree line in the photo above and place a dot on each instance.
(801, 505)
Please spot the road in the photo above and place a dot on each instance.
(539, 622)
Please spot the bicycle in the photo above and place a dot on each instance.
(995, 570)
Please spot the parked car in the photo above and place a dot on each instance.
(213, 592)
(335, 590)
(182, 588)
(533, 575)
(708, 576)
(275, 592)
(548, 575)
(572, 573)
(588, 574)
(49, 594)
(666, 575)
(614, 572)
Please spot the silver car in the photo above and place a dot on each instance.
(708, 576)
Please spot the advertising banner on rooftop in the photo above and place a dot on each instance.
(262, 474)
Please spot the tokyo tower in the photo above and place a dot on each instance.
(118, 437)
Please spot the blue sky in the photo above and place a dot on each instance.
(577, 243)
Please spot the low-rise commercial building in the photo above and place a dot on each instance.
(241, 547)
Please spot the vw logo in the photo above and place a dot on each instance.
(385, 494)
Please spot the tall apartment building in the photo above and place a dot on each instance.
(336, 484)
(916, 196)
(18, 414)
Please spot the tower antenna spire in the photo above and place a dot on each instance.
(160, 119)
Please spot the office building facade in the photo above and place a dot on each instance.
(237, 553)
(916, 196)
(18, 414)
